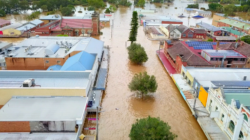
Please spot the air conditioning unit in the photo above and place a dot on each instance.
(29, 82)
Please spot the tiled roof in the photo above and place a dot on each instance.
(243, 48)
(188, 56)
(3, 22)
(182, 28)
(77, 23)
(199, 31)
(170, 27)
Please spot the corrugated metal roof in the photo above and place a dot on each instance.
(3, 22)
(77, 23)
(208, 26)
(15, 25)
(36, 22)
(231, 30)
(227, 53)
(102, 75)
(26, 27)
(234, 23)
(43, 109)
(243, 96)
(79, 62)
(231, 83)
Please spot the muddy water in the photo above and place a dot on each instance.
(165, 103)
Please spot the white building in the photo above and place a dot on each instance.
(230, 109)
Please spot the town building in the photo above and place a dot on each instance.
(155, 33)
(4, 49)
(225, 95)
(241, 26)
(212, 30)
(39, 53)
(72, 26)
(49, 114)
(10, 31)
(4, 23)
(234, 32)
(199, 33)
(149, 20)
(224, 38)
(240, 47)
(202, 54)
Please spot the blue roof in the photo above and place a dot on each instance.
(54, 67)
(198, 16)
(79, 62)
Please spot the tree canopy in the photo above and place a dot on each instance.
(151, 129)
(96, 3)
(66, 11)
(143, 83)
(134, 26)
(246, 39)
(137, 53)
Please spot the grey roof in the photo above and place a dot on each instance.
(44, 109)
(170, 27)
(38, 45)
(232, 84)
(162, 18)
(36, 22)
(182, 28)
(5, 45)
(206, 75)
(51, 17)
(26, 27)
(45, 79)
(208, 27)
(15, 25)
(38, 136)
(221, 53)
(225, 38)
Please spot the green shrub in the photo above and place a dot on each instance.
(137, 53)
(34, 15)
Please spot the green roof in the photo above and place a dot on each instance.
(235, 23)
(229, 29)
(244, 98)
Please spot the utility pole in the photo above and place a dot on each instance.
(97, 112)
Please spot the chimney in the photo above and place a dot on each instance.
(217, 46)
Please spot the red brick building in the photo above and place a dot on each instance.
(71, 26)
(200, 33)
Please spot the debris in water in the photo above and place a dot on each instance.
(116, 108)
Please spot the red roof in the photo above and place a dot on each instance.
(3, 22)
(77, 23)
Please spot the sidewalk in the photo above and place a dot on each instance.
(208, 125)
(170, 69)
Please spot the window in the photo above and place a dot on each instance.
(216, 108)
(58, 62)
(222, 117)
(184, 35)
(241, 135)
(47, 61)
(190, 35)
(245, 117)
(231, 126)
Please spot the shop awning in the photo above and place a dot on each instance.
(101, 79)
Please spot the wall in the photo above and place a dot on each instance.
(14, 127)
(13, 63)
(203, 96)
(52, 126)
(11, 32)
(6, 94)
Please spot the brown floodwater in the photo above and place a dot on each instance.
(166, 103)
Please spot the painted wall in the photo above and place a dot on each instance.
(11, 33)
(52, 126)
(6, 94)
(203, 96)
(14, 127)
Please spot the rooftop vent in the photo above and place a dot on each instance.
(29, 82)
(244, 78)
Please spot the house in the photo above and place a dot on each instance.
(71, 26)
(4, 23)
(174, 33)
(39, 53)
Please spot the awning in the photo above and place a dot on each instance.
(101, 79)
(1, 32)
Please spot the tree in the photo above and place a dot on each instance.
(210, 40)
(96, 3)
(137, 53)
(44, 7)
(214, 6)
(2, 13)
(143, 83)
(151, 129)
(141, 3)
(246, 39)
(134, 26)
(66, 11)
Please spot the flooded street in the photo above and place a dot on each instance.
(166, 103)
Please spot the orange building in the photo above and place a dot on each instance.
(39, 53)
